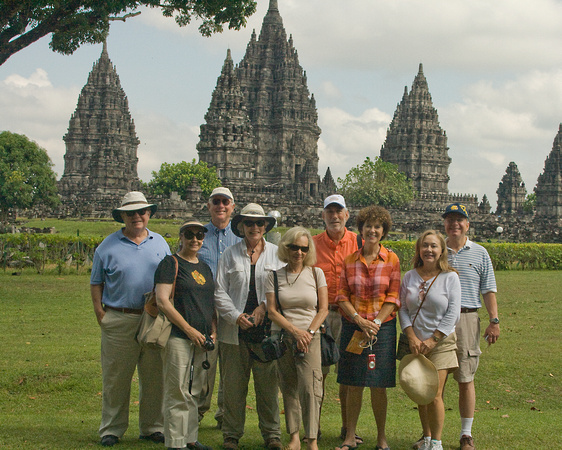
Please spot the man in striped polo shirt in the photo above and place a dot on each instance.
(477, 277)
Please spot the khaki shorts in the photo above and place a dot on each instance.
(468, 347)
(334, 322)
(444, 355)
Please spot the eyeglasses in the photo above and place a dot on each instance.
(141, 212)
(251, 223)
(295, 248)
(189, 235)
(224, 201)
(458, 219)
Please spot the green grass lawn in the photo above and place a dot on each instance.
(50, 376)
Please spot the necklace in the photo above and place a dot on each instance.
(252, 249)
(287, 276)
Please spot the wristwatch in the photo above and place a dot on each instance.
(378, 322)
(495, 320)
(435, 338)
(311, 331)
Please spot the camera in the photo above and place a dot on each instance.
(209, 345)
(252, 320)
(297, 352)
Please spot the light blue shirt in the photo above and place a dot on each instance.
(476, 273)
(126, 269)
(215, 243)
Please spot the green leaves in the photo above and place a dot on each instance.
(376, 183)
(26, 175)
(182, 177)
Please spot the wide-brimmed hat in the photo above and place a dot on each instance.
(251, 211)
(456, 208)
(419, 378)
(133, 201)
(193, 224)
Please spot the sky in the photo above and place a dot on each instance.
(494, 70)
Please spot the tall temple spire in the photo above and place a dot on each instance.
(511, 191)
(281, 110)
(549, 184)
(101, 143)
(416, 142)
(226, 139)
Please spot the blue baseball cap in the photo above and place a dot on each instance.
(456, 208)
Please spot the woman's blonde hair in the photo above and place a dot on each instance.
(443, 261)
(289, 238)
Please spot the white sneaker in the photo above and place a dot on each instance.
(426, 444)
(436, 446)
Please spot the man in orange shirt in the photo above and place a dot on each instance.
(332, 246)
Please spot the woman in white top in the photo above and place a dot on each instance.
(433, 331)
(303, 297)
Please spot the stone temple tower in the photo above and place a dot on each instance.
(284, 122)
(227, 140)
(100, 164)
(416, 142)
(511, 191)
(549, 186)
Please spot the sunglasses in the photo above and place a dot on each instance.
(141, 212)
(251, 223)
(295, 247)
(189, 235)
(224, 201)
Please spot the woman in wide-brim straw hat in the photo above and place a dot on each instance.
(240, 301)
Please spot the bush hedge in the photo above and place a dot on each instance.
(43, 251)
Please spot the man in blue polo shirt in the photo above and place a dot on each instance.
(476, 274)
(122, 271)
(218, 238)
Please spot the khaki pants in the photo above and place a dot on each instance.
(181, 424)
(237, 364)
(301, 385)
(120, 354)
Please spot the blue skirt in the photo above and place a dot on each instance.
(353, 369)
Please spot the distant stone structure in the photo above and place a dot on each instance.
(100, 164)
(548, 191)
(417, 144)
(511, 192)
(261, 131)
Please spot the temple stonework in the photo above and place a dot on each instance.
(549, 186)
(261, 131)
(417, 144)
(511, 192)
(100, 163)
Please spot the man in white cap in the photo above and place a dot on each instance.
(122, 271)
(477, 277)
(332, 246)
(218, 238)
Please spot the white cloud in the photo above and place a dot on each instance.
(346, 139)
(34, 107)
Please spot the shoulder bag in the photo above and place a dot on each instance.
(328, 345)
(273, 346)
(154, 327)
(403, 342)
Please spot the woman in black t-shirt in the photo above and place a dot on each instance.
(192, 314)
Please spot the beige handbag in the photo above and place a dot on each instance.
(154, 327)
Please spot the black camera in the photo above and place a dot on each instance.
(297, 352)
(252, 320)
(209, 345)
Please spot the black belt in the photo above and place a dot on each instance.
(469, 310)
(124, 310)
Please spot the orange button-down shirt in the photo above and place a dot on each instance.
(368, 287)
(330, 256)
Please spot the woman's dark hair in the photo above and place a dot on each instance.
(374, 214)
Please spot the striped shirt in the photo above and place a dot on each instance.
(215, 243)
(367, 288)
(475, 272)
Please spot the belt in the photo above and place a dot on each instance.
(333, 307)
(469, 310)
(125, 310)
